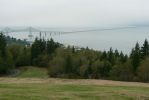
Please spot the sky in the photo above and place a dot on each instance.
(74, 13)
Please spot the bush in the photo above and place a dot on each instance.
(41, 61)
(101, 69)
(15, 51)
(143, 71)
(6, 64)
(123, 72)
(24, 58)
(57, 67)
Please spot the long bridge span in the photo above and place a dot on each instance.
(7, 30)
(32, 30)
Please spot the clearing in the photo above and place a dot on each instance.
(71, 89)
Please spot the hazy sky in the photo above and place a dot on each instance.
(70, 13)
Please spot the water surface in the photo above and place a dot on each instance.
(121, 39)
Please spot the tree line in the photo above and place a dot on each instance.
(74, 62)
(11, 40)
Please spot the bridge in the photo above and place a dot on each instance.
(30, 30)
(44, 32)
(7, 30)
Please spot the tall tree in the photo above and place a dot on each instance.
(2, 45)
(111, 57)
(6, 63)
(116, 53)
(104, 56)
(123, 58)
(51, 46)
(136, 57)
(145, 49)
(38, 47)
(68, 68)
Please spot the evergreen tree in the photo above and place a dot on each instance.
(111, 57)
(68, 68)
(73, 49)
(145, 49)
(89, 69)
(104, 69)
(116, 53)
(38, 47)
(104, 56)
(123, 58)
(6, 63)
(135, 56)
(51, 46)
(2, 45)
(24, 58)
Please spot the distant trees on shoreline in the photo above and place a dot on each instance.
(72, 62)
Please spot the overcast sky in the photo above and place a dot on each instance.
(73, 13)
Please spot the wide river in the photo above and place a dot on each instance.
(122, 39)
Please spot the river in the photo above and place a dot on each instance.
(121, 39)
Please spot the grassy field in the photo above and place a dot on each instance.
(65, 89)
(32, 83)
(32, 72)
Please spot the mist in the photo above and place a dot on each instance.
(74, 13)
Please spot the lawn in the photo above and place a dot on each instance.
(32, 72)
(66, 89)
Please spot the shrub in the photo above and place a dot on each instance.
(143, 71)
(122, 72)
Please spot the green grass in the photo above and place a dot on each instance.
(63, 89)
(32, 72)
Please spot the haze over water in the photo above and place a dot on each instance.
(121, 39)
(81, 13)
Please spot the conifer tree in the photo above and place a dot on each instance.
(104, 56)
(68, 68)
(123, 58)
(135, 56)
(145, 49)
(111, 57)
(2, 45)
(51, 46)
(116, 53)
(38, 47)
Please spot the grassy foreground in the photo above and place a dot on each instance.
(65, 89)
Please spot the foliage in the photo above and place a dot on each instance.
(11, 40)
(136, 57)
(73, 62)
(123, 72)
(6, 63)
(2, 45)
(41, 51)
(143, 71)
(145, 49)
